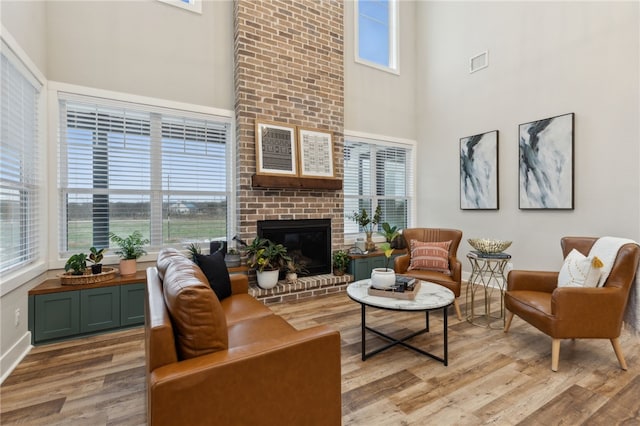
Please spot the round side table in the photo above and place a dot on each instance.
(487, 275)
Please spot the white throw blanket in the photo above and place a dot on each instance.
(606, 248)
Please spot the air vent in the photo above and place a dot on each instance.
(478, 62)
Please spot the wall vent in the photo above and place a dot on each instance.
(479, 61)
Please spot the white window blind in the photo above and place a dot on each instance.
(126, 167)
(20, 182)
(377, 174)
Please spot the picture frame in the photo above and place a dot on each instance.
(479, 172)
(316, 153)
(276, 149)
(546, 164)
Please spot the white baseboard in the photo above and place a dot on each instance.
(11, 358)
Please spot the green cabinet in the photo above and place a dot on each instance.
(76, 312)
(361, 265)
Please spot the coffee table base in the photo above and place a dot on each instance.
(402, 341)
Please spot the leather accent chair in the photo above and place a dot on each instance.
(574, 312)
(454, 281)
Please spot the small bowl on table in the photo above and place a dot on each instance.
(489, 245)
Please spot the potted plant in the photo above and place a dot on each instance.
(384, 277)
(340, 260)
(293, 268)
(194, 249)
(95, 257)
(391, 233)
(77, 264)
(367, 223)
(130, 250)
(267, 258)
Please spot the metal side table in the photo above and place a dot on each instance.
(487, 275)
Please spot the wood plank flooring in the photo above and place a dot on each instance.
(492, 377)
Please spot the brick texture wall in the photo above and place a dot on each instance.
(288, 58)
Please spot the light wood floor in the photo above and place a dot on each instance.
(492, 377)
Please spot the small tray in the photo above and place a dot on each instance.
(406, 295)
(88, 278)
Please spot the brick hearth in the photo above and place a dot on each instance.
(305, 287)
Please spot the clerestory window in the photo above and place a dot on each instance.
(377, 33)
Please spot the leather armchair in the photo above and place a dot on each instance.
(574, 312)
(453, 281)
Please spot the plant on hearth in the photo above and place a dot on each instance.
(340, 260)
(265, 255)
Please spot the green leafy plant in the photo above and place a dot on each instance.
(194, 249)
(365, 221)
(265, 255)
(130, 246)
(390, 232)
(95, 255)
(77, 264)
(388, 251)
(294, 267)
(341, 260)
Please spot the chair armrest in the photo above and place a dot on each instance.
(293, 379)
(532, 280)
(401, 263)
(603, 304)
(456, 269)
(239, 283)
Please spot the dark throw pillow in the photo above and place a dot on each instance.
(216, 272)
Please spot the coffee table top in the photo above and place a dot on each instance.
(430, 296)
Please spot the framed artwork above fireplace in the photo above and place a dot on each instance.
(276, 149)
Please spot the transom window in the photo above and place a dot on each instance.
(377, 173)
(377, 33)
(127, 167)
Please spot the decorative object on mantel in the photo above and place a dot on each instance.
(88, 277)
(488, 245)
(276, 148)
(130, 251)
(367, 223)
(340, 262)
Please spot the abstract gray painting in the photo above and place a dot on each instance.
(479, 172)
(546, 163)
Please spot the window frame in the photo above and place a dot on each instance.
(36, 266)
(194, 6)
(394, 37)
(384, 142)
(153, 105)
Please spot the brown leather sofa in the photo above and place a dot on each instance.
(232, 362)
(573, 312)
(454, 281)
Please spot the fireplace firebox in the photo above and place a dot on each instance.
(308, 241)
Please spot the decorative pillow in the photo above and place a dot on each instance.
(216, 272)
(432, 256)
(579, 270)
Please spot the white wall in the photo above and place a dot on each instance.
(546, 59)
(377, 102)
(26, 21)
(146, 48)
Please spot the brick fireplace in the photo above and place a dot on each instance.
(289, 69)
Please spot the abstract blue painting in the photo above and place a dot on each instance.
(546, 163)
(479, 172)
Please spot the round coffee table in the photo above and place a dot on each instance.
(430, 297)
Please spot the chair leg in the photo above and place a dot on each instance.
(508, 320)
(618, 350)
(555, 354)
(457, 306)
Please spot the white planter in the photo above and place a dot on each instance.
(267, 279)
(383, 278)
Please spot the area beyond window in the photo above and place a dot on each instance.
(127, 167)
(377, 33)
(191, 5)
(20, 179)
(377, 173)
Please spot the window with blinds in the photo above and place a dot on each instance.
(377, 174)
(126, 167)
(20, 181)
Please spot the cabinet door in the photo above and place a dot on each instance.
(132, 304)
(56, 315)
(99, 308)
(377, 262)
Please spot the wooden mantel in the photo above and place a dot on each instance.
(269, 181)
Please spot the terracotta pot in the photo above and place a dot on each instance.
(128, 266)
(338, 272)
